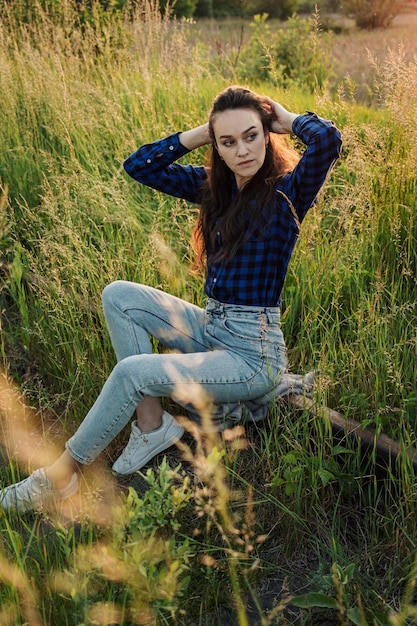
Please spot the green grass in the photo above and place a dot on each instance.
(280, 510)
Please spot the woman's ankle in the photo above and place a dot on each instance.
(149, 423)
(61, 472)
(149, 414)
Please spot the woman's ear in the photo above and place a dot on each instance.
(266, 134)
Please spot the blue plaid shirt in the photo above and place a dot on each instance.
(256, 274)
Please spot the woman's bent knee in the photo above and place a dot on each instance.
(111, 291)
(118, 294)
(122, 292)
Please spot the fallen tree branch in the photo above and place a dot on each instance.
(384, 445)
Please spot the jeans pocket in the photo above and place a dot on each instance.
(243, 327)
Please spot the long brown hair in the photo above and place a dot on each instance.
(219, 211)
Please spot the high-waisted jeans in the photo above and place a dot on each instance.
(222, 354)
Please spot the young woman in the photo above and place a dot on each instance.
(253, 198)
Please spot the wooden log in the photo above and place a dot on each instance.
(342, 426)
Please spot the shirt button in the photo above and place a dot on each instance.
(148, 160)
(214, 280)
(171, 147)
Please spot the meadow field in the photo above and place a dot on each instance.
(274, 523)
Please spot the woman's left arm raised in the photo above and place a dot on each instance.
(323, 145)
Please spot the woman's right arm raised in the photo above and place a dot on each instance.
(155, 164)
(195, 137)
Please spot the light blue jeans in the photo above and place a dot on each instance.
(216, 356)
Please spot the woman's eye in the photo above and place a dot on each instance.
(231, 142)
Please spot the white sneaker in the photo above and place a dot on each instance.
(34, 492)
(142, 447)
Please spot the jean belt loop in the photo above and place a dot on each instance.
(216, 307)
(273, 315)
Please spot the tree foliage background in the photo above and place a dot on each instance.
(368, 14)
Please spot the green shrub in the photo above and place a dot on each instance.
(296, 54)
(279, 10)
(179, 8)
(371, 14)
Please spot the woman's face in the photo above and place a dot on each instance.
(241, 142)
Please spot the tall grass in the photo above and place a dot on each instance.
(253, 518)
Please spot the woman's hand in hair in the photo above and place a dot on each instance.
(195, 137)
(281, 119)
